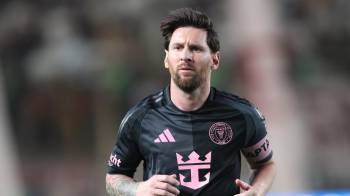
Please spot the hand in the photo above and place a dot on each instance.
(159, 185)
(246, 189)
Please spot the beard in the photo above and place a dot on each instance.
(188, 85)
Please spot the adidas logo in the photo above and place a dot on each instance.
(165, 137)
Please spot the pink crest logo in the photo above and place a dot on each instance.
(220, 133)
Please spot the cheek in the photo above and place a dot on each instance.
(172, 56)
(205, 71)
(171, 63)
(171, 68)
(205, 66)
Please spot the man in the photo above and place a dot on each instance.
(190, 135)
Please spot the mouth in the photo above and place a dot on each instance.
(185, 67)
(186, 71)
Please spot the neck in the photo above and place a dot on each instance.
(189, 101)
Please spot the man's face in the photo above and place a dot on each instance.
(189, 58)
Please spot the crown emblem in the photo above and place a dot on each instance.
(194, 164)
(193, 158)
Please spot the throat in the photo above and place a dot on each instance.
(189, 101)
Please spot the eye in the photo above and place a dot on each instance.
(177, 47)
(196, 49)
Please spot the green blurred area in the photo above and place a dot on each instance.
(72, 69)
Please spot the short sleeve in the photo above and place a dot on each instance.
(257, 147)
(125, 156)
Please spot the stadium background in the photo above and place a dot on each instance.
(70, 69)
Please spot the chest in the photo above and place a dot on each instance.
(167, 134)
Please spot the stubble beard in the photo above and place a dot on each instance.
(188, 85)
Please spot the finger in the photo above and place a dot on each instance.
(171, 179)
(161, 192)
(167, 187)
(243, 185)
(177, 183)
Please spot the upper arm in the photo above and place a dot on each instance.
(125, 155)
(258, 149)
(262, 165)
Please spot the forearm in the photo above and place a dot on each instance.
(120, 185)
(262, 178)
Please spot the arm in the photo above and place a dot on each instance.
(263, 176)
(261, 179)
(121, 185)
(258, 152)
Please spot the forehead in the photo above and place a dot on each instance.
(189, 35)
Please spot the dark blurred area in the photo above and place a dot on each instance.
(73, 68)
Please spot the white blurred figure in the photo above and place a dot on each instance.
(264, 79)
(65, 55)
(10, 181)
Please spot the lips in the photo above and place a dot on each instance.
(186, 71)
(185, 67)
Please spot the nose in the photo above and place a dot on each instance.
(186, 55)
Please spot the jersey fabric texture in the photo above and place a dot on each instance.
(203, 147)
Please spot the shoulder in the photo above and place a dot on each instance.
(137, 112)
(232, 100)
(236, 102)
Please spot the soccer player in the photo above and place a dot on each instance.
(190, 135)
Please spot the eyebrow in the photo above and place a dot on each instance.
(192, 45)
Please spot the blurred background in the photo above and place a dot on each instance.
(70, 70)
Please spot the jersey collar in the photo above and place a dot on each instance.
(166, 93)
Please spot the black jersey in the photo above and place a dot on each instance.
(201, 147)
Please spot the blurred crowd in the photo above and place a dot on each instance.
(72, 68)
(319, 36)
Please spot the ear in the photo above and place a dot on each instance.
(216, 60)
(166, 65)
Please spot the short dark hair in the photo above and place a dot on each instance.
(184, 17)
